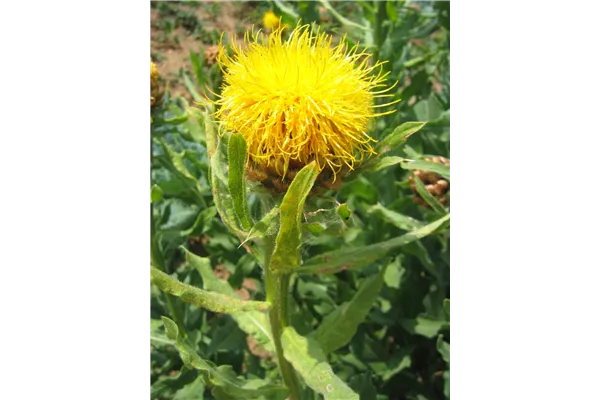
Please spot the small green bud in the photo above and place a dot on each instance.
(156, 194)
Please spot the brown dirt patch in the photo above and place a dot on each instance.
(173, 45)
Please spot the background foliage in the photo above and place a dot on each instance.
(401, 349)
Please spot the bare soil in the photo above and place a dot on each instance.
(173, 47)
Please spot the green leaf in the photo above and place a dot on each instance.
(177, 120)
(428, 109)
(209, 280)
(420, 251)
(315, 228)
(442, 121)
(203, 221)
(237, 181)
(401, 221)
(338, 327)
(177, 166)
(158, 341)
(379, 163)
(156, 194)
(430, 199)
(361, 187)
(218, 181)
(424, 325)
(177, 215)
(192, 391)
(222, 377)
(418, 61)
(157, 335)
(286, 255)
(197, 64)
(398, 136)
(166, 385)
(439, 169)
(393, 274)
(267, 226)
(225, 338)
(215, 302)
(443, 348)
(357, 257)
(400, 363)
(310, 362)
(392, 13)
(197, 133)
(363, 385)
(189, 85)
(410, 152)
(447, 307)
(254, 323)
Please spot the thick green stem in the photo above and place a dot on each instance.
(277, 287)
(380, 17)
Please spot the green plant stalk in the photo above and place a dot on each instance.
(278, 294)
(340, 18)
(378, 38)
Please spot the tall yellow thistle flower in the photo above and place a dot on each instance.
(300, 100)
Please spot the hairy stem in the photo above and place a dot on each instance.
(277, 287)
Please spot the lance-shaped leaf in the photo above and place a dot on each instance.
(218, 180)
(254, 323)
(338, 327)
(236, 154)
(188, 82)
(173, 162)
(215, 302)
(222, 377)
(398, 136)
(381, 162)
(401, 221)
(286, 255)
(430, 199)
(309, 361)
(357, 257)
(177, 160)
(202, 221)
(440, 169)
(267, 226)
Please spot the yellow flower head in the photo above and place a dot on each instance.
(271, 21)
(153, 70)
(300, 100)
(154, 84)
